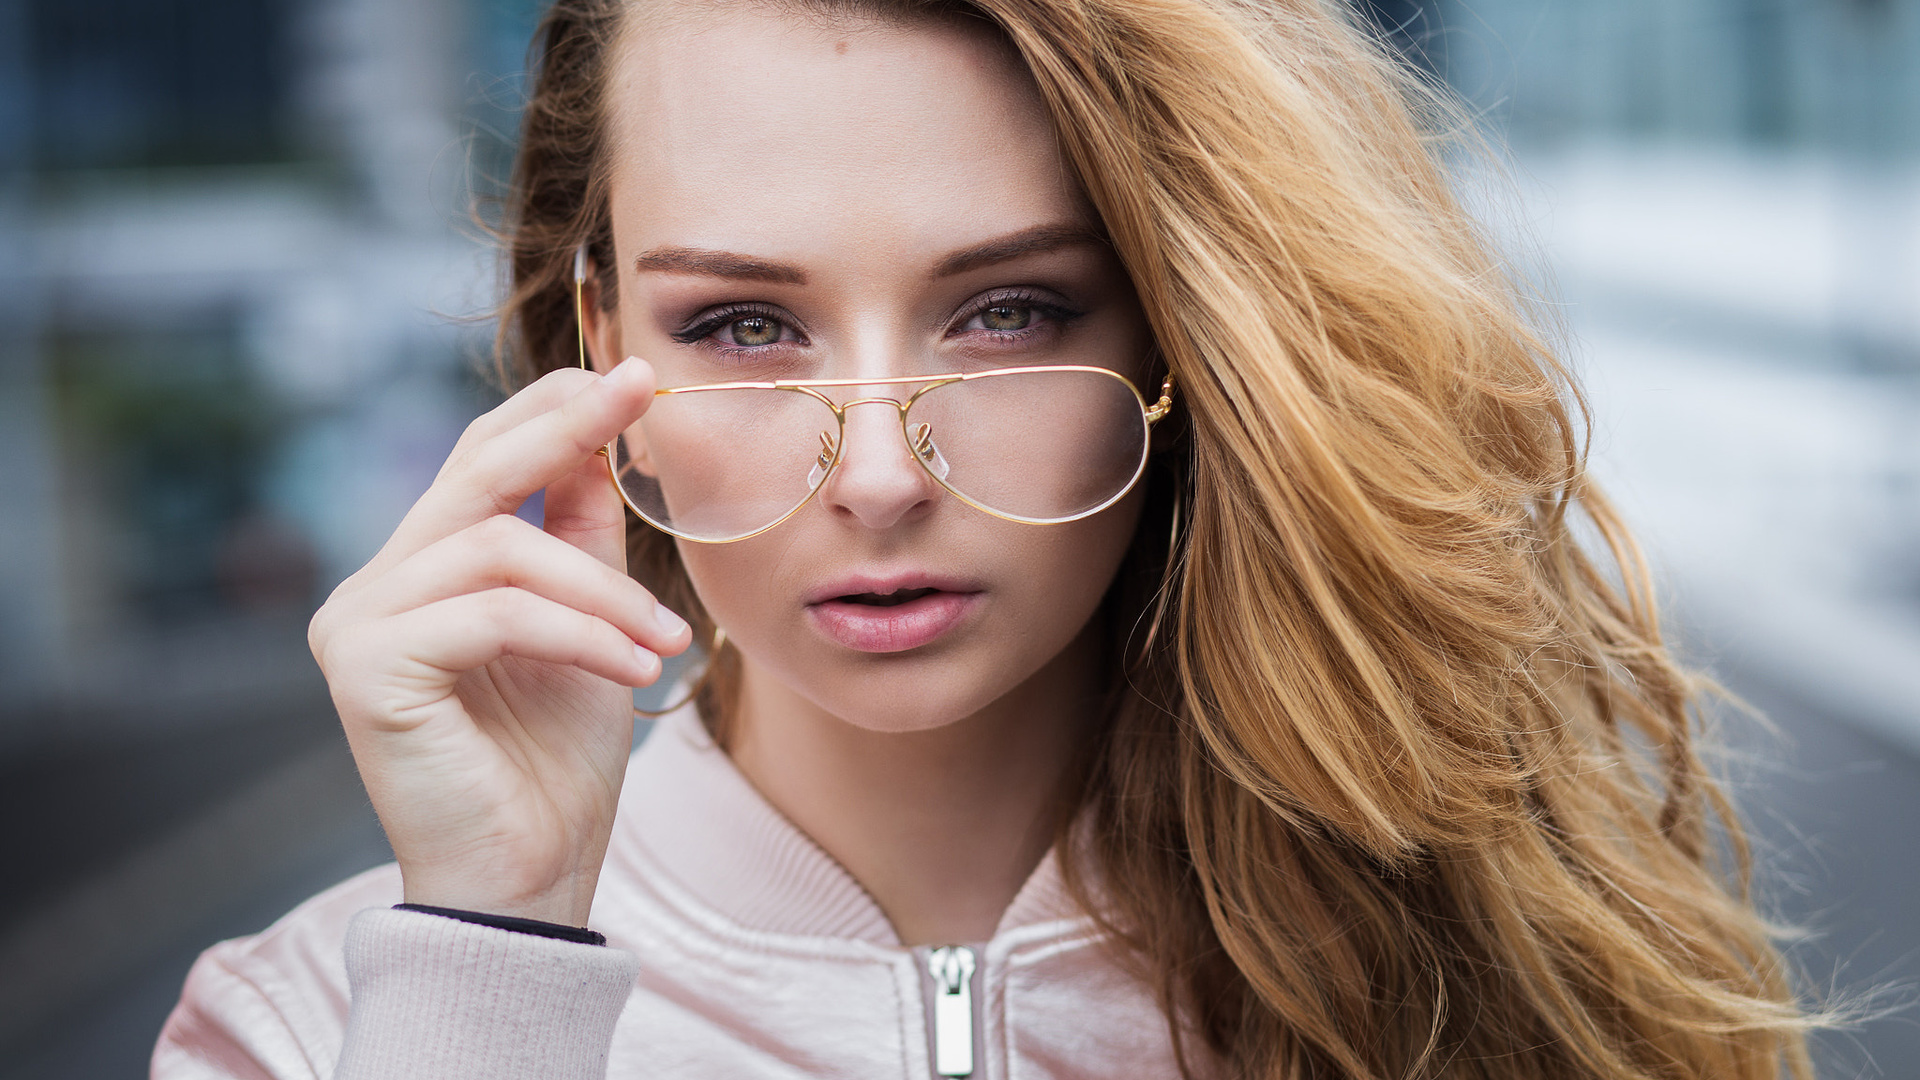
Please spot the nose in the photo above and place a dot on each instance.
(878, 482)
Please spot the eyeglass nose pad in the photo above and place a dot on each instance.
(928, 452)
(829, 449)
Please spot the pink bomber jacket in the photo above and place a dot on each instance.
(736, 948)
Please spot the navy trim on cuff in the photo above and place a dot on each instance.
(579, 935)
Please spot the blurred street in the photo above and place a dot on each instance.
(241, 322)
(1831, 808)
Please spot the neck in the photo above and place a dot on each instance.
(941, 826)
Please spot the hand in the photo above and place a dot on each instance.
(482, 666)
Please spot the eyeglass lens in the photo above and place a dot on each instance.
(721, 464)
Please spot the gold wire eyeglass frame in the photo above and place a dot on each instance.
(832, 447)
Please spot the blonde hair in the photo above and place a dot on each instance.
(1399, 782)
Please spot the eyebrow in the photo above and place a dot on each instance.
(732, 265)
(723, 264)
(1032, 241)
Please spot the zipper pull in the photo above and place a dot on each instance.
(952, 970)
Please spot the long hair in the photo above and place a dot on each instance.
(1399, 780)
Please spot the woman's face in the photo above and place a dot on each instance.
(805, 198)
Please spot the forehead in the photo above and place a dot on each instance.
(741, 126)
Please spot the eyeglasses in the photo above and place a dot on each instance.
(722, 462)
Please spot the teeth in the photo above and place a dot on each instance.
(892, 599)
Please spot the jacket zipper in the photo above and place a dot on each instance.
(952, 969)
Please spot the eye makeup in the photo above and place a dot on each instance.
(1020, 298)
(1005, 319)
(714, 320)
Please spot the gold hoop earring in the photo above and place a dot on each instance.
(699, 686)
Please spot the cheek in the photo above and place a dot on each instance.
(733, 585)
(1067, 569)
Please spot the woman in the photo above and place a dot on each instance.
(1270, 725)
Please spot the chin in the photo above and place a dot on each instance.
(906, 700)
(903, 693)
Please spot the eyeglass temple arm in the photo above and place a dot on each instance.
(580, 319)
(1159, 409)
(579, 299)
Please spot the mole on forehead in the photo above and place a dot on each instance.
(847, 22)
(656, 31)
(846, 25)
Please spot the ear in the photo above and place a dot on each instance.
(600, 328)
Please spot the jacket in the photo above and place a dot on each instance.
(736, 947)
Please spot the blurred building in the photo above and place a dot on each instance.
(1726, 198)
(1825, 94)
(238, 251)
(242, 291)
(1836, 74)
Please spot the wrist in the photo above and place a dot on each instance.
(566, 903)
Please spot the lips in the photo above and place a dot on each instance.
(889, 614)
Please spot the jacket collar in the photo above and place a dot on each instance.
(698, 819)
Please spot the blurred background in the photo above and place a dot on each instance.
(241, 322)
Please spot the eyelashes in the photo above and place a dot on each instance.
(754, 321)
(1002, 316)
(987, 311)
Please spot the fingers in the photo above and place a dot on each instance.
(543, 394)
(495, 474)
(583, 509)
(499, 474)
(456, 635)
(505, 552)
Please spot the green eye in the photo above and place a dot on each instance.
(754, 330)
(1006, 317)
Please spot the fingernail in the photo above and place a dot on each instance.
(625, 368)
(669, 623)
(649, 663)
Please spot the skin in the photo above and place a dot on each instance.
(900, 178)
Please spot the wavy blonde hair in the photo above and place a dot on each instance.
(1399, 781)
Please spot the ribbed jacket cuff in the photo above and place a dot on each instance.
(435, 997)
